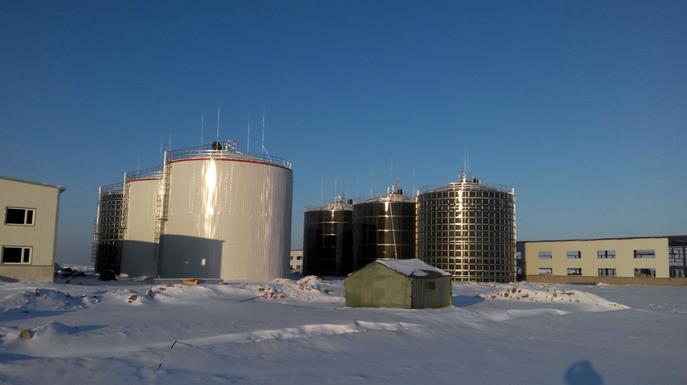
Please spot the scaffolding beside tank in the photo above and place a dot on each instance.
(467, 228)
(327, 239)
(383, 227)
(139, 240)
(107, 237)
(224, 214)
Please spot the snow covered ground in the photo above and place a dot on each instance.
(300, 332)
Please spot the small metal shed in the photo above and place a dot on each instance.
(402, 283)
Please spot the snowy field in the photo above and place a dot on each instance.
(300, 332)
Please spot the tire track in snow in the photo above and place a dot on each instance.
(50, 347)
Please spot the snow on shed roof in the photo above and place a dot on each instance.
(411, 267)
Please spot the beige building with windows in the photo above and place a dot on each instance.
(296, 263)
(28, 230)
(605, 258)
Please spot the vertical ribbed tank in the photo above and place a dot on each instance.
(108, 229)
(139, 244)
(383, 227)
(226, 215)
(468, 229)
(327, 239)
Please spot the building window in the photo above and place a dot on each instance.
(545, 255)
(16, 254)
(606, 272)
(574, 254)
(19, 216)
(645, 253)
(545, 271)
(645, 273)
(605, 254)
(574, 271)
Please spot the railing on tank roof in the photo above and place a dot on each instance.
(153, 172)
(112, 188)
(330, 206)
(228, 151)
(468, 185)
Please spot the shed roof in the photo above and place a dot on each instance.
(412, 267)
(61, 188)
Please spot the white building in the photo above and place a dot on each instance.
(28, 230)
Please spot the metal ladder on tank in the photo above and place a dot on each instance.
(161, 208)
(124, 210)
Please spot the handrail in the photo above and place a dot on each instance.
(224, 151)
(471, 186)
(152, 172)
(112, 188)
(336, 206)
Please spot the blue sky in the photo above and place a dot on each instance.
(581, 105)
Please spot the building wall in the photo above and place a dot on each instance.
(608, 280)
(227, 219)
(376, 285)
(296, 261)
(624, 262)
(40, 236)
(139, 243)
(431, 292)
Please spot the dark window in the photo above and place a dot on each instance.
(17, 216)
(645, 253)
(14, 254)
(545, 255)
(645, 273)
(605, 254)
(574, 254)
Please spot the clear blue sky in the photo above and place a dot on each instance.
(580, 105)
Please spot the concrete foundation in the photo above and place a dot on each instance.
(609, 280)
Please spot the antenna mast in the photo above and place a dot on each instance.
(218, 113)
(248, 139)
(264, 149)
(202, 129)
(464, 172)
(262, 142)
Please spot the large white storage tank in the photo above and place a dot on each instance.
(140, 231)
(226, 215)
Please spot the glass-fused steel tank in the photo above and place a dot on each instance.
(107, 240)
(328, 239)
(467, 229)
(225, 214)
(142, 199)
(383, 227)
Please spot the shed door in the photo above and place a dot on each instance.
(424, 293)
